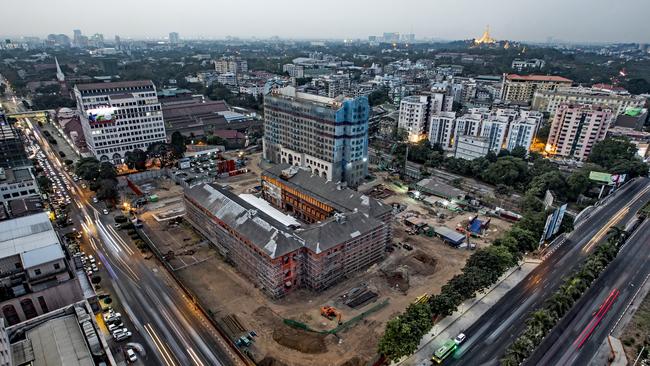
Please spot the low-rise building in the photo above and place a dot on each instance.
(339, 231)
(35, 276)
(471, 147)
(17, 182)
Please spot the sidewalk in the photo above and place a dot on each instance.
(468, 312)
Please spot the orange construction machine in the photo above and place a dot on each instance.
(330, 313)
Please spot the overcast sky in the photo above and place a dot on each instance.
(532, 20)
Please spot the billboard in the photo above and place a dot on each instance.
(606, 178)
(560, 216)
(553, 222)
(101, 114)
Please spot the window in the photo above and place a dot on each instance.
(57, 266)
(37, 271)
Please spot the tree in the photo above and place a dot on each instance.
(178, 142)
(106, 189)
(44, 183)
(542, 133)
(519, 152)
(215, 140)
(107, 171)
(87, 168)
(507, 170)
(606, 153)
(136, 159)
(96, 280)
(403, 333)
(577, 183)
(379, 96)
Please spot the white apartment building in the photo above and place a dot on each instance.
(575, 129)
(228, 78)
(442, 128)
(522, 65)
(234, 65)
(549, 100)
(501, 128)
(413, 117)
(294, 71)
(119, 117)
(471, 147)
(17, 183)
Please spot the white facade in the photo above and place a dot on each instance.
(549, 101)
(17, 183)
(442, 128)
(471, 147)
(228, 78)
(494, 131)
(413, 115)
(119, 117)
(521, 133)
(294, 71)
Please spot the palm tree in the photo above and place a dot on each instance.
(616, 235)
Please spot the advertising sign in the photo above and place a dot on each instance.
(101, 114)
(560, 217)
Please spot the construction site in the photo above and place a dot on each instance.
(340, 321)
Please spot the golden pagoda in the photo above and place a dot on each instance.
(485, 38)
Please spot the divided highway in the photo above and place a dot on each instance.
(488, 338)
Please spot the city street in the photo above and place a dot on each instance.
(576, 339)
(488, 338)
(174, 330)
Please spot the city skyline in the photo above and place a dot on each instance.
(445, 20)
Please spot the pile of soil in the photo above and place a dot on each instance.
(300, 340)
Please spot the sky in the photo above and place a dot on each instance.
(522, 20)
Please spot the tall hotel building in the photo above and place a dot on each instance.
(328, 136)
(119, 117)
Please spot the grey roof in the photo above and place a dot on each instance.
(441, 189)
(266, 233)
(341, 198)
(60, 342)
(42, 255)
(270, 235)
(449, 234)
(26, 233)
(114, 85)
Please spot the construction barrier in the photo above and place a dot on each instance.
(298, 325)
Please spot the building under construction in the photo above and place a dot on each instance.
(338, 232)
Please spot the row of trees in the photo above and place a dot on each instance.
(541, 321)
(533, 176)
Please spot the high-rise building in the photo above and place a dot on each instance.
(414, 117)
(76, 38)
(233, 65)
(618, 100)
(119, 117)
(12, 151)
(575, 129)
(521, 88)
(327, 135)
(174, 38)
(442, 128)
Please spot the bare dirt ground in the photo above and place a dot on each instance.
(399, 279)
(637, 332)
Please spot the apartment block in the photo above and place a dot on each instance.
(119, 117)
(618, 100)
(576, 128)
(501, 128)
(414, 117)
(233, 65)
(329, 136)
(338, 231)
(12, 151)
(520, 89)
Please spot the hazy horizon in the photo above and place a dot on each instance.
(588, 21)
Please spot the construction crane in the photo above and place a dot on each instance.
(330, 313)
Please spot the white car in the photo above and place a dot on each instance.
(122, 336)
(95, 200)
(105, 211)
(460, 338)
(130, 355)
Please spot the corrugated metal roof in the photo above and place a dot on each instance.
(59, 342)
(42, 255)
(26, 233)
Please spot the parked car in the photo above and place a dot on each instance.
(130, 355)
(460, 338)
(122, 336)
(105, 211)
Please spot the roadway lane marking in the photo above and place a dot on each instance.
(630, 303)
(194, 357)
(603, 231)
(159, 345)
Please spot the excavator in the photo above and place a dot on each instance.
(330, 313)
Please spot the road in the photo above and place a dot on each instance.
(491, 334)
(576, 339)
(171, 325)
